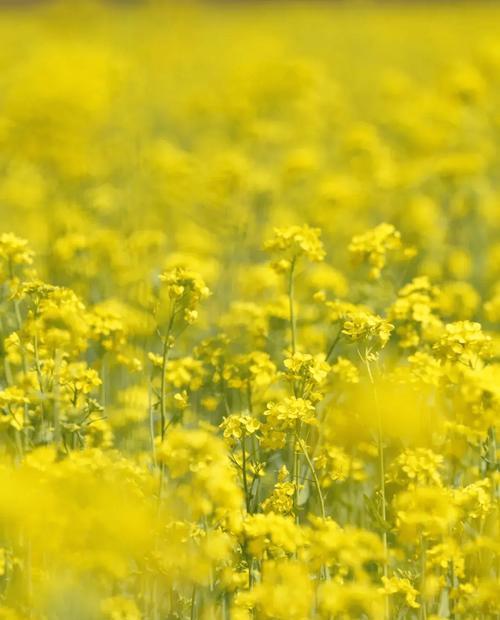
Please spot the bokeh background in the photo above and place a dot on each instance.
(137, 137)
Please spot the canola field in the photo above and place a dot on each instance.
(250, 311)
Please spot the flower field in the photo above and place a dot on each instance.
(249, 311)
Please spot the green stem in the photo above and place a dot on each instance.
(291, 292)
(165, 354)
(193, 604)
(151, 426)
(381, 467)
(333, 345)
(492, 460)
(56, 411)
(314, 475)
(244, 472)
(295, 471)
(41, 387)
(19, 325)
(451, 601)
(423, 605)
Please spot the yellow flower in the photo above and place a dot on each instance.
(401, 585)
(374, 245)
(14, 250)
(463, 341)
(286, 413)
(417, 467)
(237, 426)
(292, 243)
(369, 327)
(430, 511)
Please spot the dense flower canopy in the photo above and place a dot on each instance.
(249, 312)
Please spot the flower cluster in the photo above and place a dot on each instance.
(316, 435)
(288, 244)
(374, 247)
